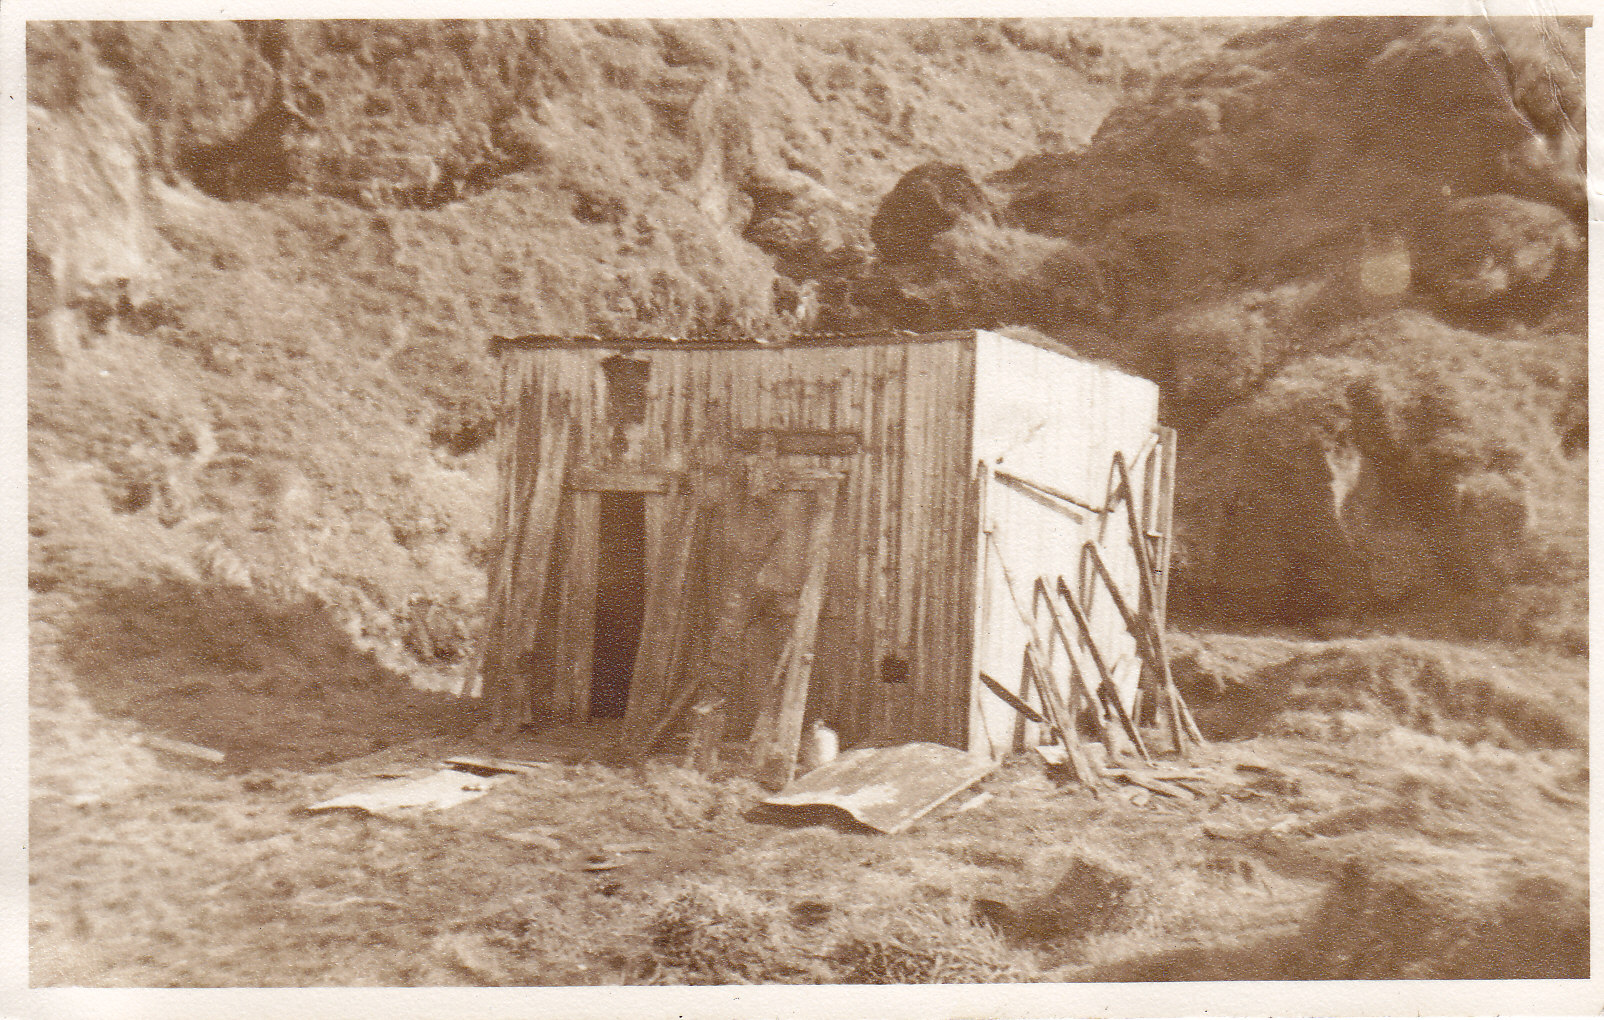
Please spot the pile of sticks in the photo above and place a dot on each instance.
(1067, 623)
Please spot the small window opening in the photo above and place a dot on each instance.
(626, 388)
(893, 669)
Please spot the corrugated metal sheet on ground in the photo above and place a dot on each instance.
(887, 788)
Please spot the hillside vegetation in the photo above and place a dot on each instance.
(265, 258)
(264, 261)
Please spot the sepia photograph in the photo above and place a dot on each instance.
(810, 501)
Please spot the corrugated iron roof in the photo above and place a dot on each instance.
(893, 336)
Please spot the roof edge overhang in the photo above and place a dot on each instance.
(551, 341)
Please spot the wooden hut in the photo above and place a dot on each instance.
(863, 519)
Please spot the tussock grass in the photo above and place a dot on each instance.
(197, 880)
(1507, 698)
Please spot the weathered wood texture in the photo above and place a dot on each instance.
(911, 608)
(660, 656)
(1048, 427)
(894, 419)
(778, 737)
(521, 574)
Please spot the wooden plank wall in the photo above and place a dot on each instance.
(904, 537)
(1054, 421)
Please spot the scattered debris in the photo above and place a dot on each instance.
(534, 837)
(434, 792)
(888, 788)
(1052, 754)
(976, 801)
(1147, 781)
(629, 848)
(182, 748)
(481, 766)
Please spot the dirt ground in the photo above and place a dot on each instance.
(1360, 848)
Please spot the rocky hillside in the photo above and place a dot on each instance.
(1352, 254)
(264, 259)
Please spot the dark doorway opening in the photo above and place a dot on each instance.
(620, 601)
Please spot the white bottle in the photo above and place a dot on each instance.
(819, 746)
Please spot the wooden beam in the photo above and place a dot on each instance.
(776, 758)
(1179, 715)
(1060, 719)
(1039, 489)
(607, 480)
(1011, 699)
(576, 614)
(1105, 678)
(798, 442)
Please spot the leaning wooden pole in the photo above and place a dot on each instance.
(1106, 683)
(1060, 719)
(1089, 688)
(1151, 647)
(1180, 716)
(776, 757)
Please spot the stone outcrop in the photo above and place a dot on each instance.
(928, 200)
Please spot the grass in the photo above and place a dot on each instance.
(1312, 853)
(1490, 694)
(269, 685)
(247, 881)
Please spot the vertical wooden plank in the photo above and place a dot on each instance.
(925, 667)
(775, 751)
(957, 529)
(656, 508)
(835, 665)
(521, 460)
(980, 731)
(939, 570)
(664, 625)
(1166, 522)
(888, 412)
(509, 685)
(577, 612)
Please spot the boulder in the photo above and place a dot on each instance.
(928, 200)
(797, 220)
